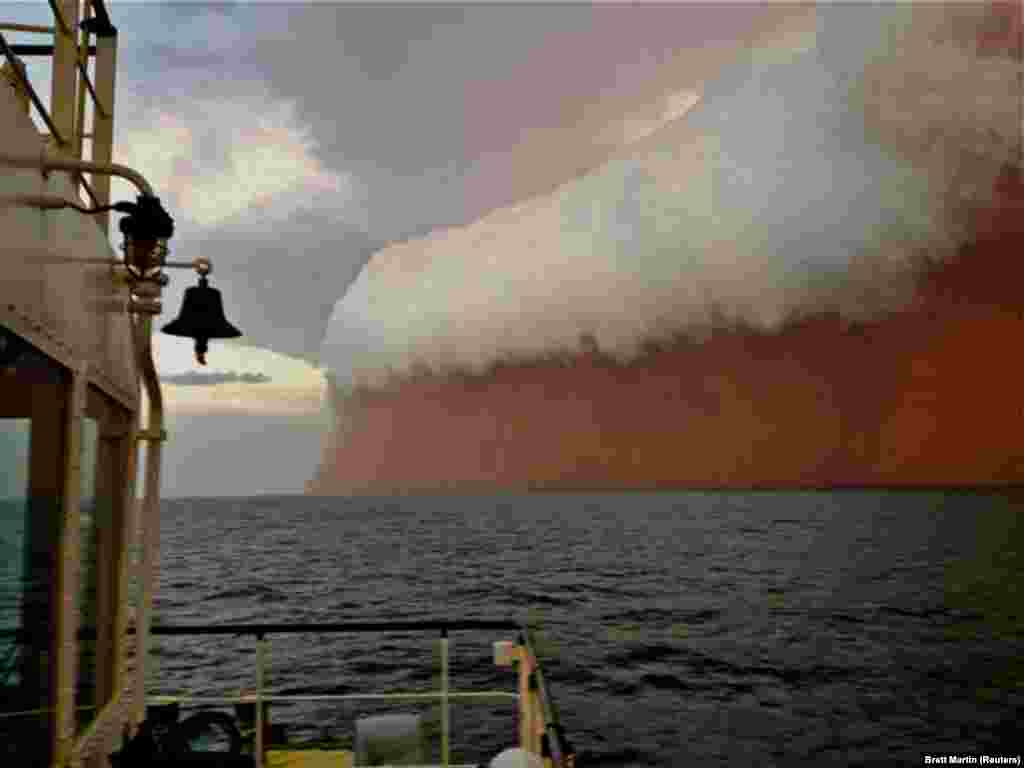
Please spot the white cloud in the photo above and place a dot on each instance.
(295, 388)
(794, 185)
(219, 158)
(639, 125)
(678, 104)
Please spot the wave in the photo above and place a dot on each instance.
(258, 592)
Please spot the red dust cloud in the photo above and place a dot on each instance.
(927, 395)
(930, 395)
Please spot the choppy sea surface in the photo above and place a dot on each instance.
(852, 628)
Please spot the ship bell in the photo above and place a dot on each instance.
(202, 318)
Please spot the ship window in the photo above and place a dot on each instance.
(88, 520)
(14, 444)
(105, 446)
(33, 400)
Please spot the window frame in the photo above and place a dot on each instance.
(112, 486)
(39, 388)
(57, 398)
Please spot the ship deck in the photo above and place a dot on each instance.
(308, 758)
(537, 719)
(319, 758)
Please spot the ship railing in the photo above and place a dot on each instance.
(540, 730)
(28, 709)
(75, 24)
(4, 715)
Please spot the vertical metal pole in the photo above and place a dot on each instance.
(524, 698)
(103, 120)
(64, 74)
(536, 717)
(150, 511)
(82, 57)
(129, 530)
(445, 723)
(68, 569)
(261, 658)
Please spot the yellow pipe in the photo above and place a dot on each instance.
(45, 163)
(67, 570)
(527, 716)
(12, 27)
(93, 728)
(103, 120)
(154, 434)
(82, 43)
(63, 78)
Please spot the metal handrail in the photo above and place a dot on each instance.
(22, 634)
(554, 736)
(35, 49)
(35, 28)
(58, 14)
(45, 162)
(554, 741)
(394, 696)
(295, 628)
(82, 53)
(37, 712)
(36, 101)
(560, 749)
(87, 186)
(92, 91)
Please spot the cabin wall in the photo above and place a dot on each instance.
(73, 312)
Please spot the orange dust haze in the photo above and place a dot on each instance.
(928, 395)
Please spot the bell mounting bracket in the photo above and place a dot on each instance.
(146, 230)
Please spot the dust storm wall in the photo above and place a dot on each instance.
(848, 313)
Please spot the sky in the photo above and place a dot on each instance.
(794, 266)
(507, 168)
(292, 141)
(821, 206)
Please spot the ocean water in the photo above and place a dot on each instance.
(851, 628)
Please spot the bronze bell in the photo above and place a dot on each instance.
(202, 318)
